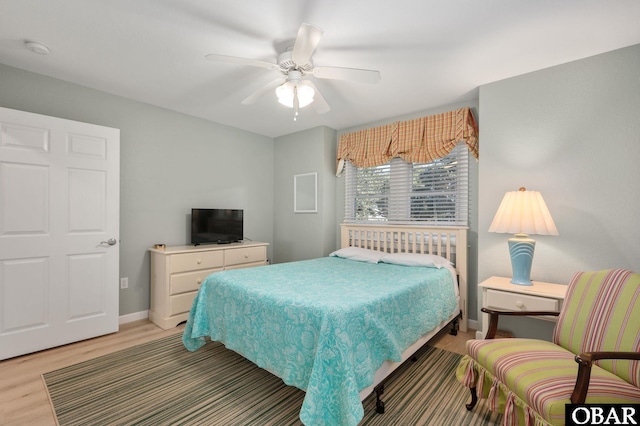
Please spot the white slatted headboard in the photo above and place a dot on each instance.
(449, 242)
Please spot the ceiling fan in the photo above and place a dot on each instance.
(295, 64)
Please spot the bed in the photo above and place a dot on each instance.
(336, 327)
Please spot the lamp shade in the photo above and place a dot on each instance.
(523, 212)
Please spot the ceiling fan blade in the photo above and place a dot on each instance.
(242, 61)
(319, 103)
(271, 86)
(352, 74)
(306, 42)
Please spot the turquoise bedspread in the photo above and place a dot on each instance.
(323, 325)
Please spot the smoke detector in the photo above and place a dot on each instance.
(37, 47)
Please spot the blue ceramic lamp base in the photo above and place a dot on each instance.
(521, 250)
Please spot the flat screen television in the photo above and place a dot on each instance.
(216, 226)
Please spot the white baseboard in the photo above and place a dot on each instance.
(136, 316)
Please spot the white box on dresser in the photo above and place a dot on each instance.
(178, 271)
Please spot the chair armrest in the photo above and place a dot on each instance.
(585, 361)
(494, 314)
(589, 357)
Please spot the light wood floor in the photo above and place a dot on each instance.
(23, 396)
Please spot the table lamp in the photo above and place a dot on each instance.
(522, 213)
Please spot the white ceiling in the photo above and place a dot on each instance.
(430, 53)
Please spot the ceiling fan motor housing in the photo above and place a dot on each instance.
(286, 63)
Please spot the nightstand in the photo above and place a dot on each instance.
(499, 293)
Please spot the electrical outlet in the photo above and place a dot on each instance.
(124, 282)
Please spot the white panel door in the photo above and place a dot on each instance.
(59, 231)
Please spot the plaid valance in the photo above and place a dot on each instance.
(420, 140)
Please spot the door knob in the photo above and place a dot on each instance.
(110, 241)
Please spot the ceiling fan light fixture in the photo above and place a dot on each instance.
(285, 93)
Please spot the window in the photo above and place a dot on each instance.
(398, 192)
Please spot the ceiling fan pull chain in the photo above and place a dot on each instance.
(296, 103)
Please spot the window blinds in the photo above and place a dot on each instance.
(400, 192)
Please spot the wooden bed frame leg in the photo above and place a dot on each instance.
(474, 399)
(454, 327)
(379, 403)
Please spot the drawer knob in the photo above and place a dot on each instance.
(519, 304)
(199, 261)
(199, 280)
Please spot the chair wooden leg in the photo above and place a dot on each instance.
(474, 399)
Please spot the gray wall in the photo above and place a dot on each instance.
(571, 132)
(169, 163)
(299, 236)
(473, 196)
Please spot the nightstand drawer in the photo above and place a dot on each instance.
(519, 302)
(199, 260)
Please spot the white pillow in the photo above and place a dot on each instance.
(416, 259)
(359, 254)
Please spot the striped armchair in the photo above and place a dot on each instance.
(594, 356)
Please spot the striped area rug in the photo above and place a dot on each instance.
(161, 383)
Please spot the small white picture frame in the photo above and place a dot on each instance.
(305, 193)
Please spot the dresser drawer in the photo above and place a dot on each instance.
(189, 281)
(181, 303)
(239, 256)
(519, 302)
(186, 262)
(246, 265)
